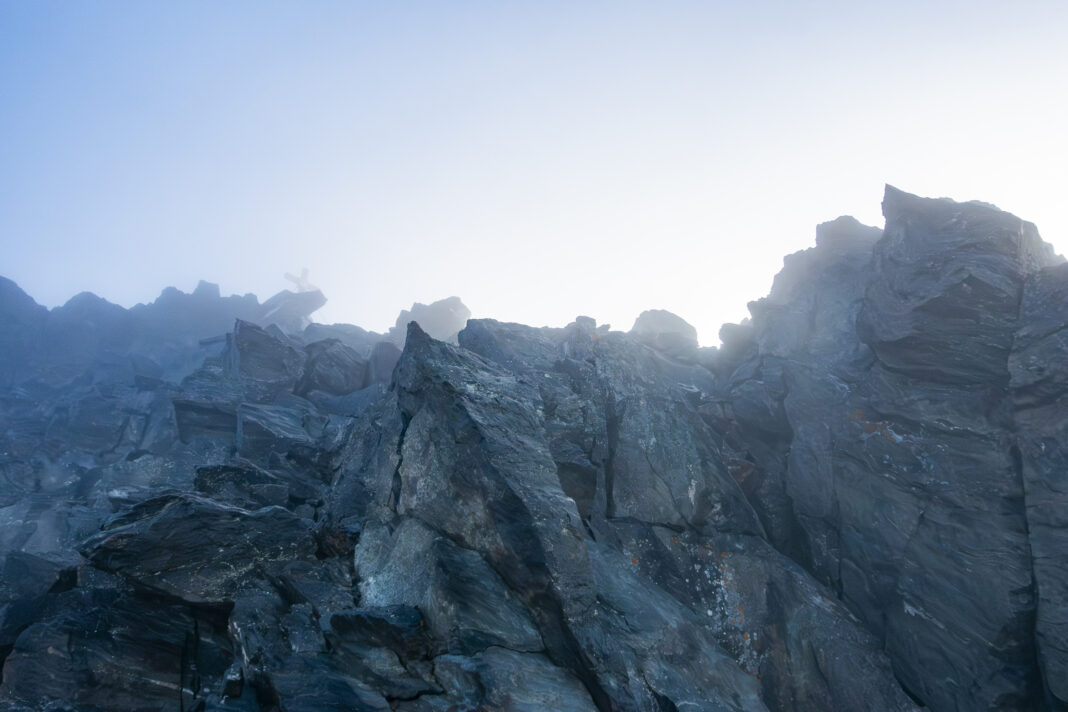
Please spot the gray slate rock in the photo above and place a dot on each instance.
(897, 460)
(666, 332)
(442, 319)
(1038, 366)
(197, 549)
(856, 503)
(513, 515)
(332, 367)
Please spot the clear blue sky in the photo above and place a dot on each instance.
(540, 160)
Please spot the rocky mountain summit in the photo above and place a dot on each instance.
(858, 502)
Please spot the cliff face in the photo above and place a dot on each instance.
(857, 503)
(906, 413)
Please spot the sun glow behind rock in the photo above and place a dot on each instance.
(540, 161)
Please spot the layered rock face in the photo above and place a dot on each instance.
(857, 503)
(906, 375)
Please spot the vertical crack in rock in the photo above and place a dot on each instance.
(1040, 688)
(613, 413)
(395, 483)
(1037, 386)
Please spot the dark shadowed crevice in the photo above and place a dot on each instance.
(267, 696)
(561, 646)
(528, 576)
(396, 483)
(564, 650)
(5, 650)
(521, 566)
(580, 484)
(663, 703)
(613, 415)
(1037, 682)
(911, 695)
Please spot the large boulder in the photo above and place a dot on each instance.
(442, 319)
(333, 368)
(666, 332)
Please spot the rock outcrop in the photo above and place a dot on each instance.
(442, 319)
(856, 503)
(666, 332)
(891, 371)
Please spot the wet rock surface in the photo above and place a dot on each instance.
(856, 503)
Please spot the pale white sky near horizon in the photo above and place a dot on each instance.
(539, 160)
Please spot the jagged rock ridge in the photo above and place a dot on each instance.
(856, 503)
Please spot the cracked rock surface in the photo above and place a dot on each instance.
(856, 503)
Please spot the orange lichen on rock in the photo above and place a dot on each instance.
(878, 428)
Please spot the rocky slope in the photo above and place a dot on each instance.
(857, 503)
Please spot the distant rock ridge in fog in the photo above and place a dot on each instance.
(857, 502)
